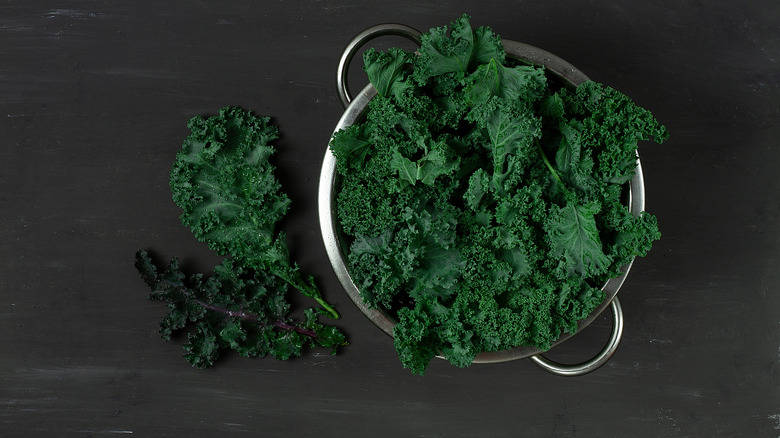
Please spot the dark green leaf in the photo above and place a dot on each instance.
(479, 186)
(236, 308)
(287, 345)
(230, 197)
(456, 49)
(575, 239)
(387, 71)
(509, 83)
(232, 333)
(350, 146)
(202, 349)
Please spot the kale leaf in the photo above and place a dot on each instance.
(236, 308)
(456, 50)
(230, 199)
(388, 71)
(574, 240)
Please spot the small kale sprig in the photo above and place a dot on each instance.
(231, 200)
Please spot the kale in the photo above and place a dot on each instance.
(236, 308)
(230, 199)
(484, 206)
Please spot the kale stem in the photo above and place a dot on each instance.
(327, 307)
(552, 169)
(289, 327)
(292, 276)
(247, 316)
(547, 163)
(310, 291)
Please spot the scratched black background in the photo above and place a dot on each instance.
(94, 97)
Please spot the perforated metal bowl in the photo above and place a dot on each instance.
(336, 244)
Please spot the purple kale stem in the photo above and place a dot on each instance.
(280, 324)
(284, 326)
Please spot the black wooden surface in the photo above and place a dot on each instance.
(94, 97)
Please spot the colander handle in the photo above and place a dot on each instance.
(357, 42)
(596, 362)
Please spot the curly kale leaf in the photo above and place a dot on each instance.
(231, 200)
(230, 197)
(224, 182)
(509, 83)
(436, 159)
(575, 163)
(387, 71)
(419, 258)
(351, 146)
(237, 308)
(631, 235)
(413, 339)
(609, 117)
(478, 188)
(574, 238)
(457, 49)
(510, 129)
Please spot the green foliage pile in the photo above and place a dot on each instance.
(231, 200)
(484, 205)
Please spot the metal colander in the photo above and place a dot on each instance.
(336, 244)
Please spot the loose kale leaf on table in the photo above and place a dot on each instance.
(236, 308)
(231, 200)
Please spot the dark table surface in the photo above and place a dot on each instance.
(94, 99)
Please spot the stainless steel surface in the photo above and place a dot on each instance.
(333, 240)
(600, 359)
